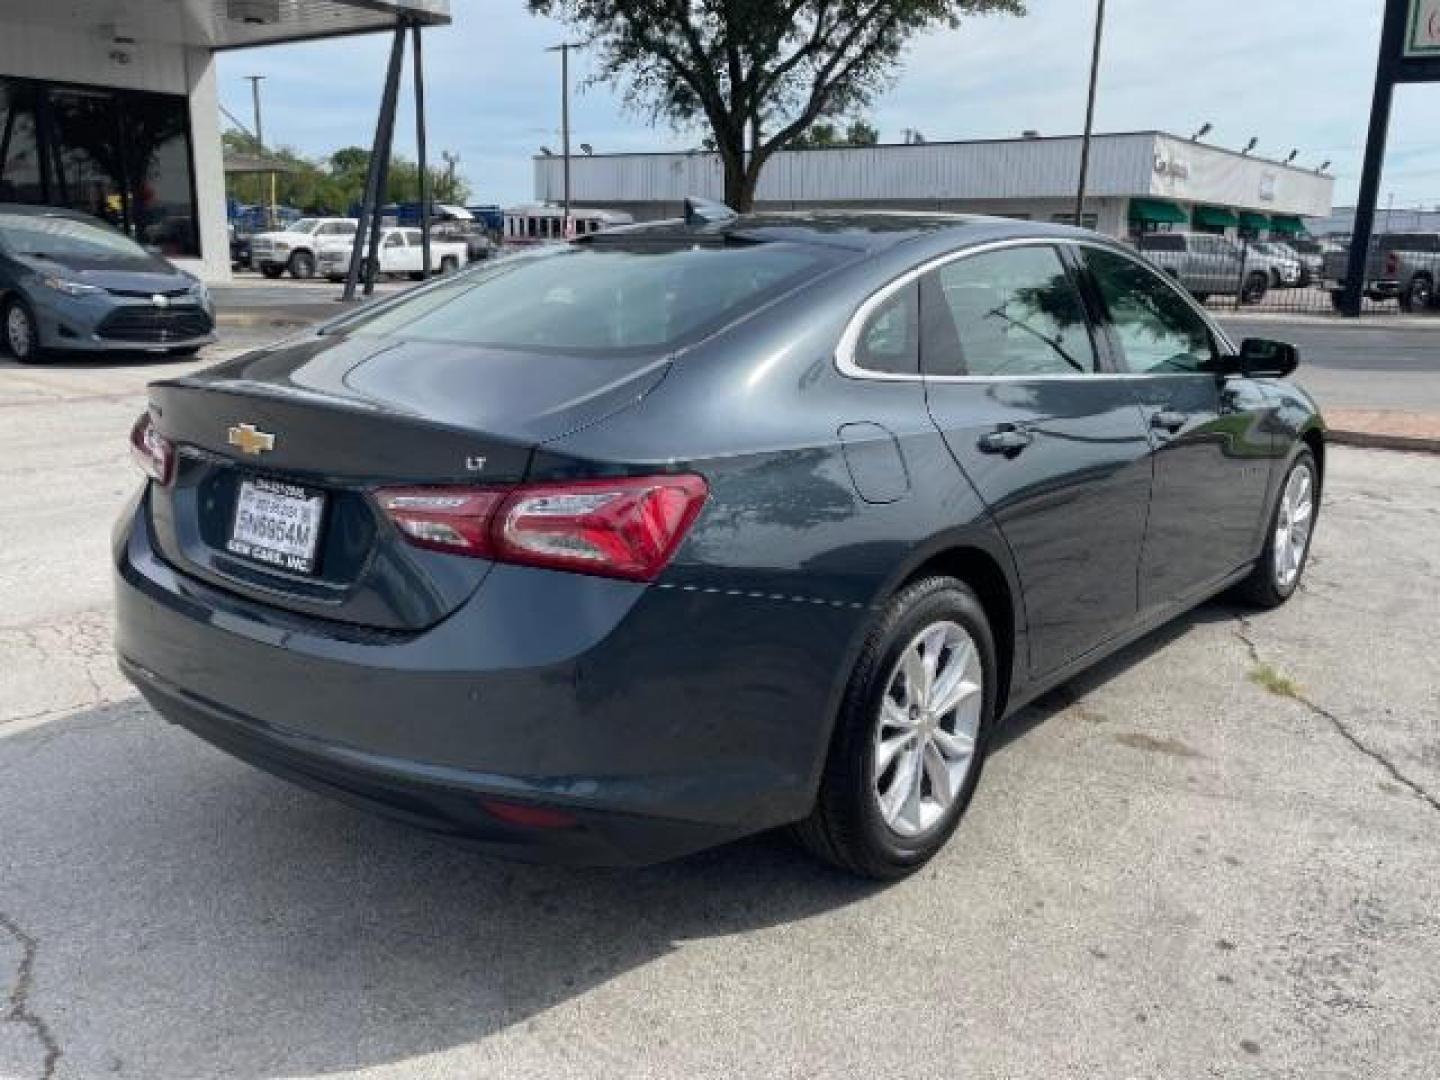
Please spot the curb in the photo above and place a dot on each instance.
(1374, 440)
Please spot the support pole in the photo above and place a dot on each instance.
(565, 128)
(376, 173)
(1392, 42)
(1089, 115)
(417, 52)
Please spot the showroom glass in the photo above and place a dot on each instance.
(599, 299)
(21, 173)
(61, 238)
(1158, 330)
(120, 155)
(1010, 312)
(889, 342)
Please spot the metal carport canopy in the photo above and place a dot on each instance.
(231, 24)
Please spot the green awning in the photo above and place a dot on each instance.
(1156, 210)
(1215, 217)
(1250, 220)
(1287, 224)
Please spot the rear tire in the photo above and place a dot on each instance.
(857, 824)
(19, 331)
(1281, 565)
(449, 265)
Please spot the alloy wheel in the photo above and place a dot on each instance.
(18, 335)
(929, 721)
(1293, 525)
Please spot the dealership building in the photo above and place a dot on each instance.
(1138, 181)
(110, 106)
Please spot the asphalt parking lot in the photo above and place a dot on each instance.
(1217, 855)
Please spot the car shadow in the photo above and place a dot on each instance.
(196, 917)
(97, 361)
(1062, 697)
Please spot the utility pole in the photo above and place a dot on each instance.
(255, 81)
(564, 50)
(1089, 115)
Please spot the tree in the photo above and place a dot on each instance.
(757, 73)
(822, 134)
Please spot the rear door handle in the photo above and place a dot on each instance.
(1006, 440)
(1168, 419)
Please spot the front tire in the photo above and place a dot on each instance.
(20, 332)
(302, 266)
(911, 736)
(1277, 573)
(1256, 286)
(1418, 295)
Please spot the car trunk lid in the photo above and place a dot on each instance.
(324, 422)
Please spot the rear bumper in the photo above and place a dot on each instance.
(441, 801)
(660, 718)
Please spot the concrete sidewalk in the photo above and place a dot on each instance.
(1385, 429)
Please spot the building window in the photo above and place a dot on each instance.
(123, 156)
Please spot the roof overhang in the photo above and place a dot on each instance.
(226, 24)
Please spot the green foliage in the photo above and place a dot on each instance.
(823, 134)
(334, 185)
(757, 73)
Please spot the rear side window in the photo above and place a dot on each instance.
(1159, 332)
(1009, 312)
(585, 299)
(889, 342)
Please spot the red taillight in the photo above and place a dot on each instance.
(529, 817)
(152, 453)
(626, 528)
(1392, 264)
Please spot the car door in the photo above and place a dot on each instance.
(1211, 436)
(1054, 445)
(394, 256)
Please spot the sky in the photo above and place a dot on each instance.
(1296, 74)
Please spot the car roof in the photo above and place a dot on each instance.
(867, 231)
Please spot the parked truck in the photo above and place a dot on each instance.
(401, 254)
(1399, 266)
(1208, 265)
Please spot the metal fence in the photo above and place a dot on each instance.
(1300, 275)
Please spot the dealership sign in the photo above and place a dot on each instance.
(1423, 36)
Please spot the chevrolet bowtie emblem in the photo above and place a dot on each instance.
(250, 439)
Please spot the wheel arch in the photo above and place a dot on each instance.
(983, 572)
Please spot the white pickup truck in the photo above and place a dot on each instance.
(400, 253)
(294, 247)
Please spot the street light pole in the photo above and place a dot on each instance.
(564, 50)
(1089, 114)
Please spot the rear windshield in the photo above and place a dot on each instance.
(1410, 242)
(600, 299)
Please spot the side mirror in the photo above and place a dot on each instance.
(1262, 358)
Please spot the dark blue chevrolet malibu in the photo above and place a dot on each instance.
(689, 530)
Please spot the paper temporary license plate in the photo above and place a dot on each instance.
(277, 524)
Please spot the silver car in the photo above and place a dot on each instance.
(1209, 265)
(70, 282)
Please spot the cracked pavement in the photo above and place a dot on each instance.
(1215, 855)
